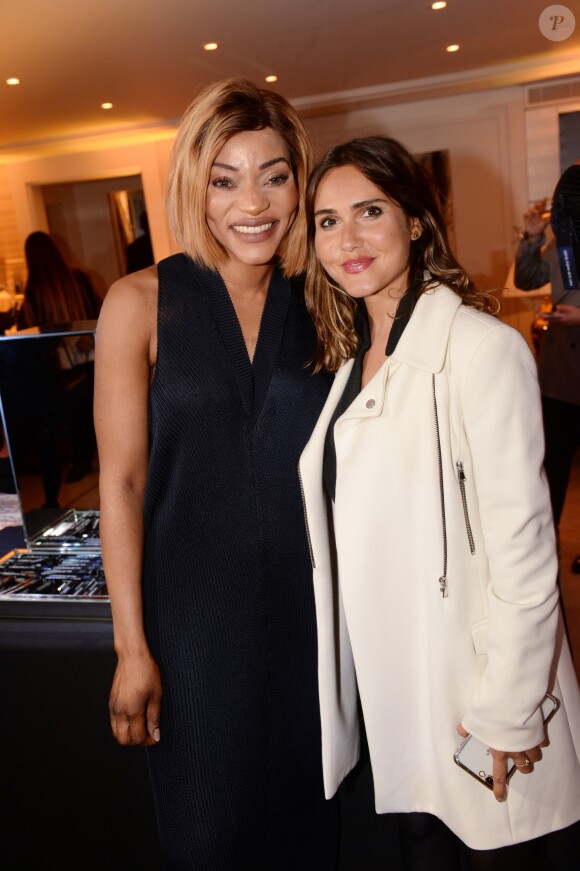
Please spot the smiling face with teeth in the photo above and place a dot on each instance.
(252, 197)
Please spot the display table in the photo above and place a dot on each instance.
(72, 799)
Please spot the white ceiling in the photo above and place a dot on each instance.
(146, 56)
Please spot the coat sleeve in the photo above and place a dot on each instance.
(504, 432)
(532, 266)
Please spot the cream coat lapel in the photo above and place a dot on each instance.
(426, 337)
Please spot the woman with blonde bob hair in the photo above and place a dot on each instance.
(431, 534)
(210, 121)
(204, 400)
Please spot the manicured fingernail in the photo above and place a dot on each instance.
(157, 734)
(503, 798)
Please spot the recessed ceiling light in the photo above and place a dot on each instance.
(210, 46)
(453, 47)
(439, 5)
(12, 81)
(106, 105)
(271, 79)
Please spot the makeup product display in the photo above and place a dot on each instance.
(49, 500)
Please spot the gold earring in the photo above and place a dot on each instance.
(415, 234)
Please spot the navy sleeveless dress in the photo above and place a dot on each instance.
(227, 581)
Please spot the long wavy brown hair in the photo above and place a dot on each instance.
(54, 293)
(393, 169)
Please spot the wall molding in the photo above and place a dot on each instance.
(522, 73)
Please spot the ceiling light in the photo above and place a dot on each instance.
(12, 81)
(210, 46)
(454, 47)
(439, 5)
(271, 79)
(106, 105)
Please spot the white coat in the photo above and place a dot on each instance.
(485, 654)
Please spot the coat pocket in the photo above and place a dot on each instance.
(479, 635)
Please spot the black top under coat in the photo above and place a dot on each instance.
(353, 385)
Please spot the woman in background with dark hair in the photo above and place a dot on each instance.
(55, 293)
(430, 528)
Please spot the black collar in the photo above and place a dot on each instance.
(402, 317)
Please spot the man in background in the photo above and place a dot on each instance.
(557, 262)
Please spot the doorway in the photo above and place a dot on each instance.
(94, 221)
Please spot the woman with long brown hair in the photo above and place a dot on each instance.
(431, 531)
(55, 293)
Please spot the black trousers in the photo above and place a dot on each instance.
(562, 431)
(428, 845)
(421, 842)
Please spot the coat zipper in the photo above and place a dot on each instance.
(461, 476)
(308, 538)
(443, 578)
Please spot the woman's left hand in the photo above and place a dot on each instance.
(524, 761)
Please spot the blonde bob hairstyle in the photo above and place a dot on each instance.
(393, 169)
(221, 111)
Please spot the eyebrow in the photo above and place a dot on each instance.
(262, 166)
(354, 206)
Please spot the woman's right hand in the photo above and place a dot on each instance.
(135, 700)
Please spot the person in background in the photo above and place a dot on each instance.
(203, 403)
(559, 358)
(54, 293)
(139, 252)
(431, 531)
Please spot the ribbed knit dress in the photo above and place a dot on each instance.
(229, 607)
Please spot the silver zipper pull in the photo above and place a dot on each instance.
(460, 472)
(443, 586)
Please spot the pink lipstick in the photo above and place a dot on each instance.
(352, 267)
